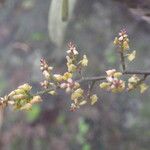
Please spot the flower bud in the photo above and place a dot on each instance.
(104, 85)
(82, 103)
(93, 99)
(72, 68)
(25, 87)
(84, 61)
(58, 77)
(52, 92)
(36, 99)
(67, 76)
(26, 107)
(117, 74)
(19, 96)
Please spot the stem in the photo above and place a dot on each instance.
(122, 61)
(91, 79)
(43, 92)
(137, 72)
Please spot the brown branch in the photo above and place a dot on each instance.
(137, 72)
(97, 78)
(122, 60)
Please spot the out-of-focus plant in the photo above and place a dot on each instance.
(71, 80)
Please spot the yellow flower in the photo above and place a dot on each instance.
(110, 72)
(131, 56)
(104, 85)
(143, 87)
(93, 99)
(67, 76)
(19, 96)
(83, 103)
(36, 99)
(77, 94)
(72, 68)
(25, 87)
(84, 61)
(133, 79)
(125, 45)
(117, 74)
(52, 92)
(116, 41)
(26, 107)
(58, 77)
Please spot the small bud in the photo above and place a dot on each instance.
(104, 85)
(52, 92)
(46, 74)
(116, 41)
(110, 72)
(36, 99)
(77, 94)
(117, 74)
(72, 68)
(19, 96)
(25, 87)
(58, 77)
(84, 61)
(93, 99)
(143, 87)
(67, 75)
(125, 45)
(131, 56)
(26, 107)
(63, 85)
(82, 103)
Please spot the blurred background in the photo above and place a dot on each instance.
(31, 29)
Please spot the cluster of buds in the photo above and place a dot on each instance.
(114, 83)
(21, 99)
(66, 81)
(135, 82)
(49, 81)
(72, 60)
(122, 41)
(46, 69)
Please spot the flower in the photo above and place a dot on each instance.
(93, 99)
(72, 49)
(84, 61)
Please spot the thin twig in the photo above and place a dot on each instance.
(122, 61)
(98, 78)
(137, 72)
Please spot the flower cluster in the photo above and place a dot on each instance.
(114, 83)
(21, 99)
(73, 64)
(135, 82)
(70, 81)
(122, 41)
(66, 81)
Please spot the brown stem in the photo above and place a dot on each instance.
(137, 72)
(92, 79)
(122, 61)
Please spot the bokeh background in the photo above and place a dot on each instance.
(31, 29)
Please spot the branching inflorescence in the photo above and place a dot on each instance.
(71, 81)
